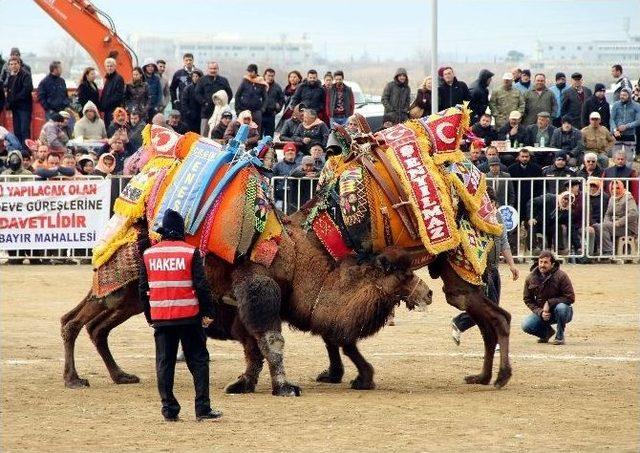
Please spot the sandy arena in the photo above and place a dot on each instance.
(579, 397)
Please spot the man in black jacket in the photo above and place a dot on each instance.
(340, 100)
(310, 93)
(177, 303)
(396, 98)
(252, 95)
(525, 189)
(451, 91)
(52, 91)
(189, 106)
(597, 103)
(479, 92)
(275, 102)
(180, 80)
(113, 91)
(204, 90)
(19, 101)
(573, 100)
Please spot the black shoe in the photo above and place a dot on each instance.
(211, 415)
(546, 339)
(170, 418)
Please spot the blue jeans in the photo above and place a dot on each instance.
(535, 325)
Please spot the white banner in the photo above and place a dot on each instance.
(43, 215)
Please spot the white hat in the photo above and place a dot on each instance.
(64, 114)
(516, 115)
(594, 115)
(507, 76)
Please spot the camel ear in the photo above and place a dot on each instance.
(393, 259)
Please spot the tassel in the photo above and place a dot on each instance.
(146, 135)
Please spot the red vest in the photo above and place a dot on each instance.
(171, 293)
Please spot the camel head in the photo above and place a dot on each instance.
(412, 290)
(416, 294)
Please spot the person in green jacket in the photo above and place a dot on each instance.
(505, 100)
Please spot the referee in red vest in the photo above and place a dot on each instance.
(177, 304)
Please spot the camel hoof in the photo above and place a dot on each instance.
(76, 383)
(287, 390)
(359, 384)
(477, 379)
(329, 378)
(240, 386)
(125, 378)
(503, 377)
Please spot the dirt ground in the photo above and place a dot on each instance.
(579, 397)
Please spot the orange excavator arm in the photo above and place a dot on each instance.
(82, 20)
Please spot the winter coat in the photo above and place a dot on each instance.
(206, 86)
(180, 80)
(284, 167)
(558, 93)
(623, 212)
(19, 88)
(164, 90)
(275, 100)
(232, 131)
(505, 193)
(312, 95)
(554, 288)
(318, 132)
(189, 106)
(532, 135)
(251, 94)
(217, 132)
(570, 142)
(348, 102)
(112, 93)
(535, 103)
(479, 92)
(90, 130)
(598, 204)
(572, 105)
(135, 134)
(520, 137)
(88, 91)
(593, 104)
(423, 101)
(452, 95)
(557, 185)
(488, 134)
(597, 139)
(4, 73)
(627, 113)
(221, 103)
(155, 91)
(396, 99)
(288, 130)
(136, 96)
(52, 93)
(503, 102)
(531, 170)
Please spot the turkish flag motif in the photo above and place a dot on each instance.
(443, 131)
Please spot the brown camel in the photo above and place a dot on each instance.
(305, 288)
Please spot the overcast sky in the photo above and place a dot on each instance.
(342, 28)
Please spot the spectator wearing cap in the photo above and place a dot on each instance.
(539, 135)
(189, 105)
(598, 139)
(625, 117)
(289, 162)
(574, 99)
(597, 103)
(217, 133)
(513, 130)
(505, 100)
(479, 92)
(524, 84)
(451, 91)
(484, 130)
(52, 134)
(306, 169)
(590, 167)
(52, 91)
(559, 169)
(176, 123)
(537, 100)
(500, 181)
(252, 94)
(569, 139)
(558, 90)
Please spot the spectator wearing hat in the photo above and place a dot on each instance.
(451, 91)
(597, 103)
(289, 162)
(479, 92)
(306, 169)
(559, 169)
(52, 91)
(189, 105)
(500, 181)
(569, 139)
(598, 139)
(574, 99)
(539, 135)
(217, 133)
(176, 123)
(537, 100)
(524, 84)
(52, 134)
(558, 90)
(625, 117)
(505, 100)
(514, 131)
(590, 167)
(252, 94)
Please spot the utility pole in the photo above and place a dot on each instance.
(434, 56)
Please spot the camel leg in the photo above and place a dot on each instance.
(71, 324)
(501, 320)
(489, 339)
(271, 345)
(334, 374)
(99, 334)
(247, 381)
(364, 380)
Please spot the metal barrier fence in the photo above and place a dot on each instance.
(566, 215)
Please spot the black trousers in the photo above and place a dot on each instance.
(463, 321)
(268, 124)
(196, 355)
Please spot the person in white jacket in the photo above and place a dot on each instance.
(221, 103)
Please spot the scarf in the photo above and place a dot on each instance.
(102, 165)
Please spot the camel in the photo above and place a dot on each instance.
(303, 288)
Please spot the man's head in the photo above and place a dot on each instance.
(174, 118)
(309, 116)
(616, 71)
(524, 156)
(576, 80)
(162, 66)
(290, 151)
(187, 61)
(566, 123)
(328, 79)
(543, 120)
(212, 68)
(594, 119)
(53, 161)
(134, 117)
(55, 68)
(514, 118)
(494, 165)
(401, 75)
(41, 153)
(590, 161)
(57, 118)
(474, 154)
(226, 118)
(172, 225)
(546, 261)
(307, 164)
(14, 64)
(507, 80)
(297, 113)
(338, 78)
(540, 81)
(561, 160)
(561, 79)
(317, 151)
(599, 91)
(117, 145)
(110, 65)
(525, 76)
(270, 75)
(620, 159)
(196, 75)
(491, 151)
(252, 70)
(625, 95)
(485, 120)
(312, 76)
(448, 75)
(68, 161)
(516, 73)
